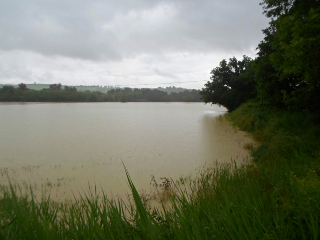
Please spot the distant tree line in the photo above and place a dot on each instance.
(57, 93)
(286, 73)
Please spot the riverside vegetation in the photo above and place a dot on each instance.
(277, 196)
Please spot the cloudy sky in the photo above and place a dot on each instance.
(124, 42)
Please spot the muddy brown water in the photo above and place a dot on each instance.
(65, 148)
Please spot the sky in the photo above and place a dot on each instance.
(127, 43)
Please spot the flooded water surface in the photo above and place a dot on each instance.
(65, 147)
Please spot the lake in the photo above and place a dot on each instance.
(63, 148)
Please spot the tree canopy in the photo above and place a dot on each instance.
(231, 83)
(288, 71)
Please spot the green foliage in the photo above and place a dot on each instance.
(283, 135)
(288, 64)
(276, 8)
(55, 93)
(55, 87)
(71, 89)
(232, 83)
(8, 92)
(23, 86)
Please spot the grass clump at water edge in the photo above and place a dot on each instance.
(275, 197)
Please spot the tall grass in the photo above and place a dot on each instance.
(275, 197)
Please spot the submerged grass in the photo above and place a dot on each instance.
(276, 196)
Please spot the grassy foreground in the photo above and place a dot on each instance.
(275, 197)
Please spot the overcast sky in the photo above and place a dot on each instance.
(124, 42)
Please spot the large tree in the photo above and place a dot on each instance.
(232, 83)
(288, 69)
(23, 86)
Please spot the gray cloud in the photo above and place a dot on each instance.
(164, 74)
(114, 30)
(124, 42)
